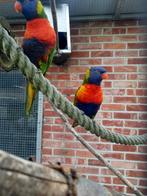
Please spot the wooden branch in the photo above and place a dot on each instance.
(24, 178)
(19, 177)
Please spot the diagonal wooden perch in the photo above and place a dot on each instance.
(19, 177)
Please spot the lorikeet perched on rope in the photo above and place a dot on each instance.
(39, 41)
(89, 95)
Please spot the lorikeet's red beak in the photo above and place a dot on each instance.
(18, 6)
(105, 76)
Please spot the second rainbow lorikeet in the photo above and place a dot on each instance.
(39, 41)
(89, 95)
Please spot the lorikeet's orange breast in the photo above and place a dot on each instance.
(90, 93)
(40, 29)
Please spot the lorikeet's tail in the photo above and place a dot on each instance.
(30, 96)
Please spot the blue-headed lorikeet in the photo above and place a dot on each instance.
(39, 41)
(89, 95)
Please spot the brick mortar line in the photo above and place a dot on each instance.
(110, 27)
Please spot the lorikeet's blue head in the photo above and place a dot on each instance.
(31, 9)
(95, 75)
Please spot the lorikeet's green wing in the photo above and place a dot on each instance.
(44, 66)
(30, 96)
(86, 77)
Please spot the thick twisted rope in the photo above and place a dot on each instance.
(9, 47)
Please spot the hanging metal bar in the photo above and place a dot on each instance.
(119, 5)
(55, 22)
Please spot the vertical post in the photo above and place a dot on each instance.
(39, 127)
(118, 8)
(55, 23)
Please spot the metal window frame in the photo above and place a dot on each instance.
(62, 9)
(39, 128)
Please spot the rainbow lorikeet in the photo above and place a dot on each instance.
(39, 41)
(89, 95)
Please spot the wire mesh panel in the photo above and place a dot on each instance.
(18, 134)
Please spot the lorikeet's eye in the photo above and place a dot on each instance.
(97, 71)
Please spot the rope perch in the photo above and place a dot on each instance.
(9, 47)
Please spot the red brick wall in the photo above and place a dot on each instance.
(121, 48)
